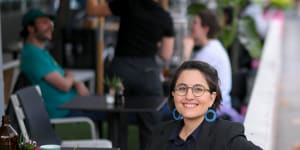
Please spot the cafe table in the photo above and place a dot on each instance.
(117, 115)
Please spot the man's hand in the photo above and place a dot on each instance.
(93, 8)
(69, 74)
(81, 89)
(188, 45)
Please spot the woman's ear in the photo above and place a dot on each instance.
(173, 93)
(213, 96)
(206, 28)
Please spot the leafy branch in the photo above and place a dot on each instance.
(114, 82)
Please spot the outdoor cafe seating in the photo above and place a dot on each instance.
(34, 122)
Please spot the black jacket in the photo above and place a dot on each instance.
(218, 135)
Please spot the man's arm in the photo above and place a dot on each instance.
(188, 45)
(66, 83)
(166, 48)
(81, 89)
(60, 82)
(95, 8)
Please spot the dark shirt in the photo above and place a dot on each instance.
(143, 23)
(176, 143)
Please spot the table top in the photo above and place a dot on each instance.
(132, 104)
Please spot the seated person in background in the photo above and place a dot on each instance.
(204, 31)
(57, 86)
(194, 97)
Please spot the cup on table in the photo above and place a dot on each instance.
(110, 99)
(50, 147)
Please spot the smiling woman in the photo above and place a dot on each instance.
(196, 125)
(192, 104)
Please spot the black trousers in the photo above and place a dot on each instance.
(140, 77)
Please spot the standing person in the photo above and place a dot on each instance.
(57, 85)
(146, 30)
(194, 97)
(204, 31)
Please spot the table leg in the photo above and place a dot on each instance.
(118, 129)
(113, 122)
(123, 128)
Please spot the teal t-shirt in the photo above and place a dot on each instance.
(36, 63)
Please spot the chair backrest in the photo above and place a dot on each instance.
(11, 112)
(36, 117)
(21, 82)
(19, 114)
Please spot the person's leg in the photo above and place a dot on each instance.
(151, 86)
(140, 77)
(147, 123)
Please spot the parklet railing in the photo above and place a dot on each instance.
(260, 121)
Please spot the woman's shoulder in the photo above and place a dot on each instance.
(229, 126)
(226, 129)
(233, 135)
(166, 126)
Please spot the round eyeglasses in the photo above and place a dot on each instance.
(197, 90)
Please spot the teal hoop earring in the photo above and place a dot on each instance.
(179, 117)
(214, 115)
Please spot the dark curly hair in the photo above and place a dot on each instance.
(211, 77)
(24, 32)
(209, 19)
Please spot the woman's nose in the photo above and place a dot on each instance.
(189, 93)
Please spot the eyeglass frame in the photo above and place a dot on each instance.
(190, 87)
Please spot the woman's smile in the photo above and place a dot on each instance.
(190, 105)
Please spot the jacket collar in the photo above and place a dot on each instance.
(205, 138)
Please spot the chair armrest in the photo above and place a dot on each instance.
(98, 143)
(91, 124)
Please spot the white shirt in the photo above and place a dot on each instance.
(215, 55)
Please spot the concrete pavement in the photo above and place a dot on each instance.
(288, 113)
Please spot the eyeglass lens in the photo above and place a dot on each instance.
(197, 89)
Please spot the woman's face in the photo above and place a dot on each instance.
(189, 105)
(199, 32)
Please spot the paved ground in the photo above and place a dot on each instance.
(288, 114)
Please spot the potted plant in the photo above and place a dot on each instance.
(114, 84)
(116, 88)
(27, 144)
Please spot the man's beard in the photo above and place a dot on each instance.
(40, 36)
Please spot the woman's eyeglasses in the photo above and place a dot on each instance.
(197, 90)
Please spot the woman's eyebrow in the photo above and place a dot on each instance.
(181, 84)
